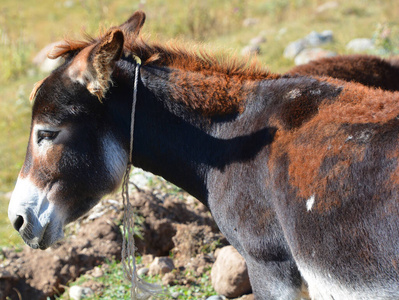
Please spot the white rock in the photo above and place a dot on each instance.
(360, 45)
(294, 48)
(308, 55)
(77, 292)
(327, 6)
(218, 297)
(257, 40)
(315, 38)
(161, 265)
(250, 22)
(250, 50)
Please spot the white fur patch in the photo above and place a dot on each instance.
(115, 158)
(310, 202)
(323, 286)
(295, 93)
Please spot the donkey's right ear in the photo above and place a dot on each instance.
(134, 23)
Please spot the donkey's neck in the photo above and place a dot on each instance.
(181, 138)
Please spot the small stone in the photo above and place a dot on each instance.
(147, 259)
(257, 40)
(168, 279)
(248, 22)
(217, 297)
(315, 39)
(327, 6)
(176, 295)
(97, 272)
(308, 55)
(77, 292)
(143, 271)
(250, 50)
(161, 265)
(360, 45)
(294, 48)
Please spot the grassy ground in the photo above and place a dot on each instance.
(26, 27)
(114, 286)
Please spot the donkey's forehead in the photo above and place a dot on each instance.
(59, 99)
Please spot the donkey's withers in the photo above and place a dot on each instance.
(299, 174)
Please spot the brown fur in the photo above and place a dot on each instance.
(324, 137)
(368, 70)
(223, 84)
(36, 88)
(176, 55)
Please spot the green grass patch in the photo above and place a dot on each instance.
(113, 285)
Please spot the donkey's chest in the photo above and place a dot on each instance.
(240, 204)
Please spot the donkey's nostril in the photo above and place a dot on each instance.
(19, 221)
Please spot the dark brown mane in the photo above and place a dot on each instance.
(176, 55)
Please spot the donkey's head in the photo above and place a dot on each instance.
(74, 155)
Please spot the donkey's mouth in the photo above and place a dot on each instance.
(44, 238)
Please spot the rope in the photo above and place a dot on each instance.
(139, 289)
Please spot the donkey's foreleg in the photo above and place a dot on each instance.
(275, 280)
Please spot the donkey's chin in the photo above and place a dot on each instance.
(44, 238)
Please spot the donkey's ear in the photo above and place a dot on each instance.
(134, 24)
(101, 62)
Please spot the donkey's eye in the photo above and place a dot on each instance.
(46, 135)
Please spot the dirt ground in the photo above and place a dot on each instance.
(176, 224)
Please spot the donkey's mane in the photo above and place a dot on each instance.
(175, 54)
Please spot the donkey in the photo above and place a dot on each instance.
(300, 174)
(368, 70)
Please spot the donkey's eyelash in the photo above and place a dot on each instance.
(46, 135)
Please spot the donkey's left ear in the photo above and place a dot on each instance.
(134, 24)
(104, 57)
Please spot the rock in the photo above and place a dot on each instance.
(308, 55)
(294, 48)
(168, 279)
(229, 273)
(176, 295)
(315, 39)
(97, 272)
(248, 22)
(217, 297)
(77, 292)
(360, 45)
(250, 50)
(251, 297)
(147, 259)
(141, 178)
(143, 271)
(69, 4)
(161, 265)
(44, 63)
(326, 6)
(257, 40)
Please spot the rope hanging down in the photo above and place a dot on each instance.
(139, 289)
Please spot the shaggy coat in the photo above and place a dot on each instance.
(368, 70)
(300, 174)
